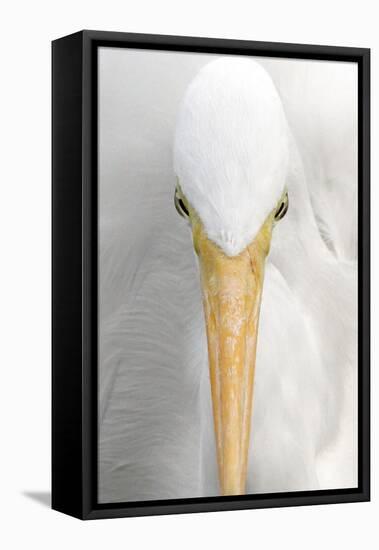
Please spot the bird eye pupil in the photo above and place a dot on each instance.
(282, 210)
(183, 207)
(180, 205)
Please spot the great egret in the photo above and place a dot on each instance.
(238, 170)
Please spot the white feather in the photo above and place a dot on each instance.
(231, 150)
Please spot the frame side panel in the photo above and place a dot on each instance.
(364, 275)
(67, 275)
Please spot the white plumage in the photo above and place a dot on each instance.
(155, 428)
(231, 150)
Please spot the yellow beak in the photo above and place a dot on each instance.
(232, 289)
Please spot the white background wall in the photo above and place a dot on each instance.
(26, 31)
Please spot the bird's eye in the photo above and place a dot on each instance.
(180, 205)
(282, 208)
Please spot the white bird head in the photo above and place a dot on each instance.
(231, 157)
(231, 150)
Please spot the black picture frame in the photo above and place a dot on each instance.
(74, 272)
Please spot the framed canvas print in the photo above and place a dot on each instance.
(210, 274)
